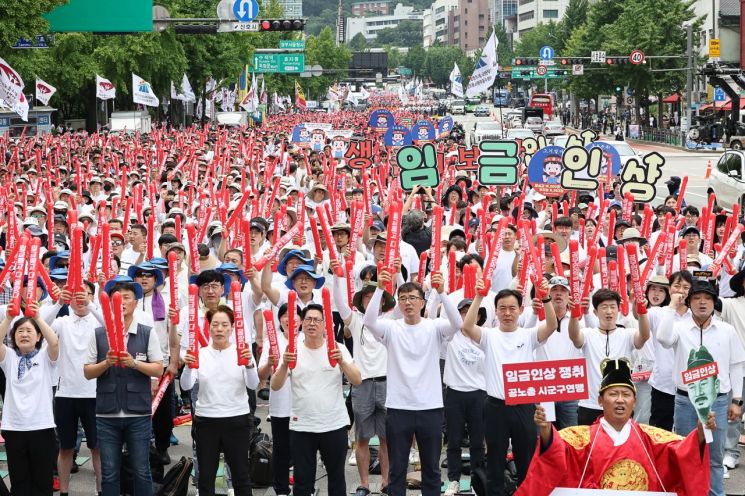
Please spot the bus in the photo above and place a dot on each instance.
(543, 101)
(500, 97)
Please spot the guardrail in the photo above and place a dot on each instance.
(657, 135)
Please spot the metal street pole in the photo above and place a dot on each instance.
(689, 81)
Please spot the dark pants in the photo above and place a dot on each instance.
(230, 435)
(163, 420)
(461, 409)
(333, 448)
(507, 423)
(31, 459)
(663, 410)
(400, 428)
(281, 455)
(587, 416)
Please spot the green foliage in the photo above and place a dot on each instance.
(322, 50)
(23, 18)
(531, 42)
(407, 33)
(358, 43)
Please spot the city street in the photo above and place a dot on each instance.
(678, 162)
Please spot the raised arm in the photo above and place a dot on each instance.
(643, 333)
(266, 284)
(575, 333)
(4, 326)
(340, 298)
(550, 324)
(469, 323)
(49, 335)
(666, 334)
(454, 320)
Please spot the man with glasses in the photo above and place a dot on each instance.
(154, 305)
(319, 419)
(508, 343)
(414, 405)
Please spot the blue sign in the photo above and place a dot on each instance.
(42, 120)
(40, 41)
(445, 125)
(381, 120)
(719, 95)
(397, 136)
(629, 91)
(547, 52)
(245, 10)
(422, 131)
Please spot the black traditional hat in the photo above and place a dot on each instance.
(616, 372)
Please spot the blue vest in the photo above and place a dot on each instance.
(123, 389)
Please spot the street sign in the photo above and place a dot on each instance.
(232, 26)
(245, 10)
(629, 91)
(547, 53)
(636, 57)
(541, 70)
(629, 100)
(532, 73)
(714, 48)
(40, 41)
(101, 16)
(292, 44)
(719, 95)
(578, 69)
(279, 62)
(597, 56)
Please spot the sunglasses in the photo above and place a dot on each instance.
(145, 274)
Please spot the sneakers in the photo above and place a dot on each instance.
(730, 462)
(453, 488)
(362, 491)
(726, 473)
(231, 492)
(174, 440)
(414, 456)
(353, 460)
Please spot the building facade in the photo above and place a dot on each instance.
(370, 26)
(471, 23)
(381, 7)
(437, 22)
(530, 13)
(293, 9)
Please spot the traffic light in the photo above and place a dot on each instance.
(509, 87)
(570, 61)
(616, 60)
(528, 62)
(195, 28)
(282, 24)
(619, 89)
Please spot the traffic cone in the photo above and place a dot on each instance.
(708, 170)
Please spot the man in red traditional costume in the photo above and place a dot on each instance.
(616, 452)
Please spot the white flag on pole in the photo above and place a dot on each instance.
(21, 107)
(11, 84)
(142, 92)
(104, 89)
(278, 101)
(486, 70)
(187, 91)
(456, 81)
(44, 91)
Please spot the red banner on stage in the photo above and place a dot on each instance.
(547, 381)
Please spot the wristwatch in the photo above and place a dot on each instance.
(737, 402)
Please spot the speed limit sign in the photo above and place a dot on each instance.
(541, 70)
(636, 57)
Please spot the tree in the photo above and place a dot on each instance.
(407, 33)
(23, 18)
(395, 57)
(414, 58)
(575, 16)
(531, 42)
(358, 43)
(504, 47)
(322, 50)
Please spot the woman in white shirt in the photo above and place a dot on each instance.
(222, 420)
(280, 406)
(28, 419)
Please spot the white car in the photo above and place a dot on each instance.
(535, 124)
(726, 180)
(560, 140)
(458, 107)
(553, 128)
(519, 133)
(625, 151)
(486, 130)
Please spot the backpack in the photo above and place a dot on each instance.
(260, 460)
(176, 480)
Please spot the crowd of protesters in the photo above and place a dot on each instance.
(205, 267)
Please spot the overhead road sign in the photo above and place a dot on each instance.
(279, 62)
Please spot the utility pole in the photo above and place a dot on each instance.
(689, 81)
(340, 34)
